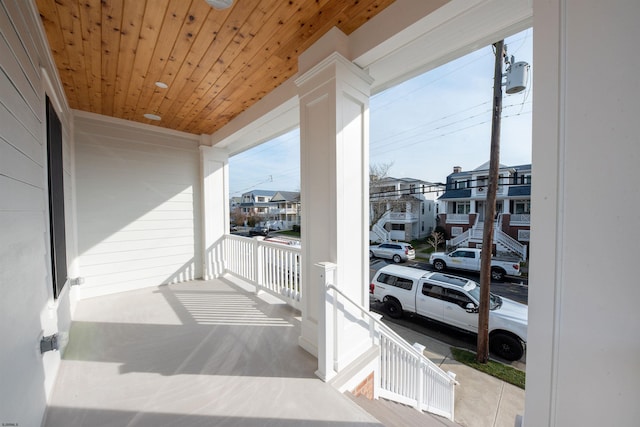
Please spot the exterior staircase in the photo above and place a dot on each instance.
(378, 233)
(503, 242)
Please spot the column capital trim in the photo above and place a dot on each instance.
(334, 59)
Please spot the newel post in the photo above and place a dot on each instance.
(325, 274)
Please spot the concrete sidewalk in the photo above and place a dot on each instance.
(481, 400)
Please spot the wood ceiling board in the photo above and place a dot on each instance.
(222, 68)
(110, 29)
(148, 41)
(217, 63)
(205, 75)
(132, 17)
(185, 26)
(90, 21)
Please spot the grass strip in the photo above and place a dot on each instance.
(496, 369)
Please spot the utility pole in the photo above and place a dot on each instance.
(482, 354)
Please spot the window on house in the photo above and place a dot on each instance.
(55, 174)
(397, 227)
(462, 184)
(522, 207)
(525, 179)
(463, 207)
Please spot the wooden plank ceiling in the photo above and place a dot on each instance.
(216, 63)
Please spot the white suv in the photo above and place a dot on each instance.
(453, 301)
(397, 251)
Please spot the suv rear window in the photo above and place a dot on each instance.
(398, 282)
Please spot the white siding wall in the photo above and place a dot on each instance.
(138, 205)
(27, 307)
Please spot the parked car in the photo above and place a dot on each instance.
(453, 301)
(233, 227)
(397, 251)
(259, 231)
(469, 259)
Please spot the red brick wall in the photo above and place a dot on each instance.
(365, 388)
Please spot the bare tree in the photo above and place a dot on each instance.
(435, 239)
(237, 216)
(379, 171)
(381, 198)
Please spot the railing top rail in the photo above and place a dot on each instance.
(393, 334)
(276, 245)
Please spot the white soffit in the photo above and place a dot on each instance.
(453, 30)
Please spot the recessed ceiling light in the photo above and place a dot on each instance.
(152, 117)
(163, 85)
(220, 4)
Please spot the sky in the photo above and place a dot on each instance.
(423, 127)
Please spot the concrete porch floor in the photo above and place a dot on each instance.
(200, 353)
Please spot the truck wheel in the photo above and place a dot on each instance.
(438, 264)
(506, 346)
(393, 308)
(397, 259)
(497, 274)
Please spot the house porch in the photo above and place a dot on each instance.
(192, 354)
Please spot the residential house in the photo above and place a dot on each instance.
(286, 212)
(136, 203)
(465, 200)
(257, 203)
(278, 210)
(403, 208)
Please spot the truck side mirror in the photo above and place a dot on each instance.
(471, 308)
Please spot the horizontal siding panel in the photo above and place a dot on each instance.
(17, 76)
(127, 256)
(15, 164)
(112, 134)
(22, 45)
(122, 274)
(137, 245)
(131, 236)
(137, 216)
(155, 228)
(17, 114)
(18, 196)
(22, 245)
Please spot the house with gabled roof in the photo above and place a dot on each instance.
(286, 210)
(403, 208)
(464, 201)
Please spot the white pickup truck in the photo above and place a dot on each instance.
(469, 259)
(453, 301)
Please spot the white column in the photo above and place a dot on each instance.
(334, 151)
(214, 170)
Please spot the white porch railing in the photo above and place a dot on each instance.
(457, 218)
(404, 374)
(379, 234)
(502, 238)
(459, 239)
(271, 267)
(520, 219)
